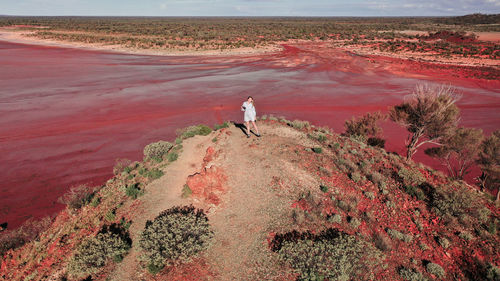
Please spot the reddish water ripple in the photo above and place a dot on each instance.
(67, 114)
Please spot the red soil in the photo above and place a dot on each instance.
(67, 114)
(210, 183)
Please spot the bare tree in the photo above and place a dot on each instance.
(458, 151)
(429, 115)
(489, 162)
(366, 128)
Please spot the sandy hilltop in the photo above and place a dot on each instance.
(301, 202)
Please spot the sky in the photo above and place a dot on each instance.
(248, 7)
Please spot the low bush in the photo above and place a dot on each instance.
(356, 177)
(186, 191)
(399, 235)
(111, 243)
(330, 255)
(435, 269)
(223, 125)
(411, 177)
(299, 124)
(133, 190)
(172, 156)
(174, 236)
(335, 218)
(354, 223)
(28, 231)
(444, 242)
(318, 136)
(459, 203)
(192, 131)
(154, 173)
(77, 196)
(317, 149)
(324, 188)
(120, 166)
(492, 272)
(376, 142)
(411, 274)
(157, 150)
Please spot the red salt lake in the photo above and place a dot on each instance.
(67, 114)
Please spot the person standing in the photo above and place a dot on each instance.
(250, 115)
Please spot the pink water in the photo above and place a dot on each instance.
(66, 115)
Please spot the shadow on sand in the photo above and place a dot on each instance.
(243, 128)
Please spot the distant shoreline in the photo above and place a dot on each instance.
(22, 37)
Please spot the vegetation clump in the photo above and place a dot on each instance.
(77, 196)
(435, 269)
(157, 150)
(329, 255)
(460, 204)
(411, 274)
(366, 129)
(489, 162)
(299, 124)
(175, 236)
(133, 190)
(192, 131)
(111, 243)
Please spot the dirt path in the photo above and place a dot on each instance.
(248, 209)
(161, 194)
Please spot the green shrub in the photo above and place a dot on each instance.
(335, 218)
(492, 272)
(77, 196)
(324, 188)
(318, 136)
(435, 269)
(354, 223)
(459, 203)
(133, 190)
(95, 201)
(214, 140)
(110, 216)
(370, 195)
(298, 124)
(154, 173)
(192, 131)
(186, 191)
(157, 150)
(356, 177)
(317, 149)
(329, 255)
(172, 156)
(465, 235)
(444, 242)
(411, 176)
(415, 192)
(223, 125)
(411, 274)
(174, 236)
(111, 243)
(399, 235)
